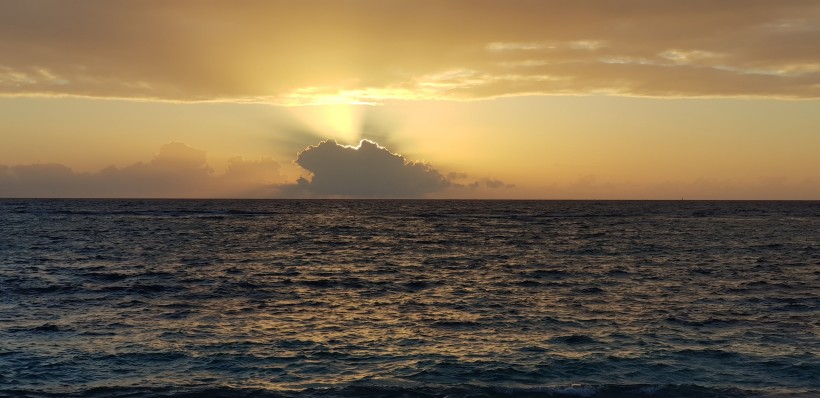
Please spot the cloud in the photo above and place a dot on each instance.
(490, 183)
(178, 157)
(177, 171)
(370, 51)
(368, 170)
(41, 180)
(180, 171)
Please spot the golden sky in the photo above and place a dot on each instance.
(646, 99)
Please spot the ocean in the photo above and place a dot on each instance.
(406, 298)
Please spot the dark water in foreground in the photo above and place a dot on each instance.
(409, 298)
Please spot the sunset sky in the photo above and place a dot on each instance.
(650, 99)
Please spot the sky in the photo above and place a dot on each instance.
(514, 99)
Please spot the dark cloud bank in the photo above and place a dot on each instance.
(368, 170)
(177, 171)
(180, 171)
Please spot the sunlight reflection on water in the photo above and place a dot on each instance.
(288, 295)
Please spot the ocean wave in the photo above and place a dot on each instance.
(426, 391)
(153, 298)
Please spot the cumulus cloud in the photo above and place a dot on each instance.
(177, 171)
(368, 51)
(368, 170)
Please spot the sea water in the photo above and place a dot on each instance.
(409, 298)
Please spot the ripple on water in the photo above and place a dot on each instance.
(409, 298)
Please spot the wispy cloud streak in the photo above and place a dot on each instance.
(362, 51)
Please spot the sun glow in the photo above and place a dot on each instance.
(342, 122)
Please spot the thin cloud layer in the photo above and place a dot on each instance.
(314, 51)
(177, 171)
(368, 170)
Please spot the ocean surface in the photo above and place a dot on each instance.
(390, 298)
